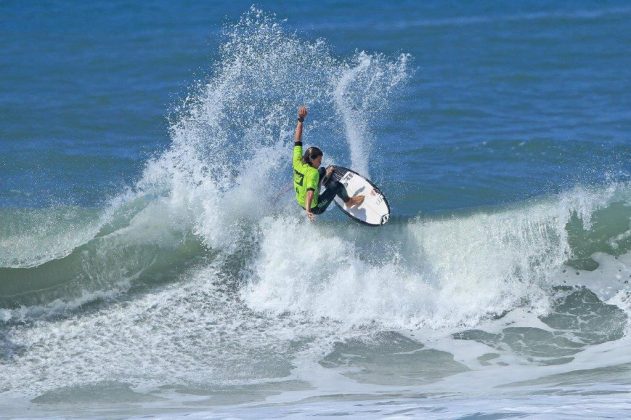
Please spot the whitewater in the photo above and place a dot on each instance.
(201, 291)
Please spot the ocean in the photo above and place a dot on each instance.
(153, 260)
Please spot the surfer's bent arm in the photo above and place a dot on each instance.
(308, 200)
(327, 175)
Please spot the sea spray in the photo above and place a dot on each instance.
(361, 90)
(231, 138)
(228, 158)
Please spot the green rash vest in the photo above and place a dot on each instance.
(306, 178)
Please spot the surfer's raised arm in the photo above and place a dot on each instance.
(302, 114)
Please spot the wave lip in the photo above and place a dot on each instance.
(31, 237)
(140, 244)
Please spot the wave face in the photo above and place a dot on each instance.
(205, 280)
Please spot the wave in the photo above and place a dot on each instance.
(141, 244)
(323, 289)
(217, 191)
(413, 272)
(205, 277)
(439, 273)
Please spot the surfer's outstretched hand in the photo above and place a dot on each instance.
(311, 216)
(302, 112)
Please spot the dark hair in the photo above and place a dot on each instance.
(311, 154)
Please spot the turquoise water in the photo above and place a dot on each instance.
(152, 260)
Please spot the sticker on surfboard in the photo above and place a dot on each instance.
(374, 211)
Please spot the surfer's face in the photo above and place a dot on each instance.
(317, 162)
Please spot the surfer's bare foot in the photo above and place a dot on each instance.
(355, 201)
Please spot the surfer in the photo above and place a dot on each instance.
(308, 176)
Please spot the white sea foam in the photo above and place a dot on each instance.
(435, 273)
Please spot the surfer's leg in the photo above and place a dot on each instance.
(333, 188)
(337, 188)
(326, 197)
(340, 191)
(324, 200)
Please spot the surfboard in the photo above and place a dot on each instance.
(375, 210)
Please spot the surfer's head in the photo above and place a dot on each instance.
(313, 157)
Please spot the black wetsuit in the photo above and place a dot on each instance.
(333, 188)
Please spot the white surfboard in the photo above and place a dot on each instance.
(374, 211)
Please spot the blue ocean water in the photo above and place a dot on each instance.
(152, 261)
